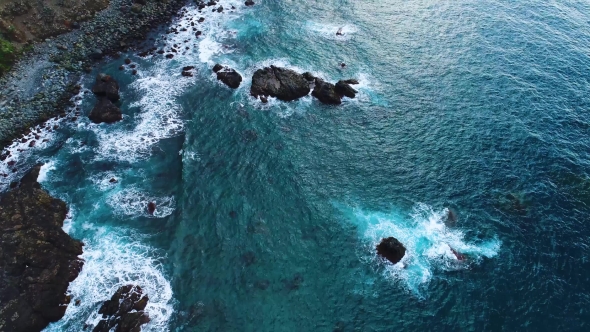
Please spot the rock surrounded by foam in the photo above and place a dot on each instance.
(38, 259)
(125, 310)
(228, 76)
(106, 86)
(284, 84)
(105, 111)
(391, 249)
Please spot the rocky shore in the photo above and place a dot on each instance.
(41, 84)
(38, 259)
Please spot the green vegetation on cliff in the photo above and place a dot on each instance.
(8, 54)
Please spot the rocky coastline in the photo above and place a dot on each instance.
(41, 84)
(38, 259)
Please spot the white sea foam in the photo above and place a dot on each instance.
(427, 240)
(46, 168)
(328, 30)
(114, 259)
(133, 202)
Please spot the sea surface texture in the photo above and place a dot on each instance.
(268, 214)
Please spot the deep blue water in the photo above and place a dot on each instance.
(476, 106)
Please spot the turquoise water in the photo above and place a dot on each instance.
(479, 107)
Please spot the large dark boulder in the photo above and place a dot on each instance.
(284, 84)
(228, 76)
(38, 259)
(326, 93)
(105, 111)
(106, 86)
(125, 311)
(391, 249)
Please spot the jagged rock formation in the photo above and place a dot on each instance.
(38, 259)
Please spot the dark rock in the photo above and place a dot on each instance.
(37, 258)
(339, 32)
(32, 144)
(220, 9)
(121, 68)
(249, 3)
(391, 249)
(124, 311)
(105, 111)
(134, 72)
(132, 66)
(344, 89)
(263, 99)
(351, 81)
(151, 207)
(284, 84)
(95, 54)
(342, 65)
(169, 56)
(217, 68)
(229, 77)
(127, 61)
(106, 86)
(113, 180)
(75, 25)
(308, 76)
(211, 3)
(198, 33)
(326, 93)
(188, 68)
(201, 19)
(187, 74)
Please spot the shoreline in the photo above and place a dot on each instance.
(40, 85)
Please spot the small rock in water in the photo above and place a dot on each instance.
(127, 61)
(169, 56)
(263, 99)
(151, 207)
(249, 3)
(121, 68)
(391, 249)
(113, 180)
(134, 72)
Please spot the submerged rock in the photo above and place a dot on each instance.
(249, 3)
(124, 311)
(391, 249)
(38, 259)
(284, 84)
(105, 111)
(106, 86)
(228, 76)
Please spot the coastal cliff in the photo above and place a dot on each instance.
(38, 259)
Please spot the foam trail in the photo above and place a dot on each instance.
(328, 30)
(113, 259)
(133, 202)
(427, 240)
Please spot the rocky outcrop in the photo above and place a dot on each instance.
(344, 89)
(228, 76)
(106, 86)
(329, 93)
(105, 111)
(38, 259)
(391, 249)
(284, 84)
(249, 3)
(124, 311)
(325, 92)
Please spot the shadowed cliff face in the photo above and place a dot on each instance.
(24, 20)
(38, 259)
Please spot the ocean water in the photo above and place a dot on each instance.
(480, 107)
